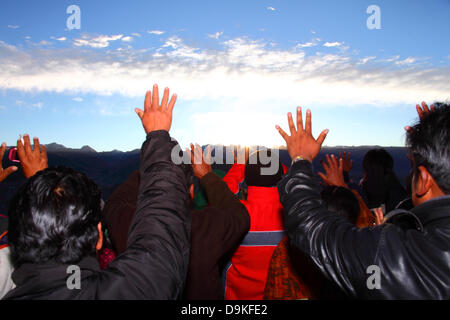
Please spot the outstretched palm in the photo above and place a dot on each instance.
(155, 116)
(301, 142)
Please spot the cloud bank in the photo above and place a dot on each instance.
(242, 69)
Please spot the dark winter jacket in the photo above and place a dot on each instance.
(408, 257)
(155, 263)
(216, 230)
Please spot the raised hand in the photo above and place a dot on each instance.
(32, 160)
(155, 116)
(346, 162)
(424, 110)
(334, 175)
(301, 142)
(4, 173)
(200, 165)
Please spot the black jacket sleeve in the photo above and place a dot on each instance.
(342, 251)
(155, 263)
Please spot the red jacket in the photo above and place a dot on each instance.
(245, 276)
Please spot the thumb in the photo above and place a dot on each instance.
(324, 178)
(9, 170)
(139, 112)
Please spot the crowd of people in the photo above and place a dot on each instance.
(188, 231)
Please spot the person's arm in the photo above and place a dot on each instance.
(341, 250)
(365, 218)
(155, 263)
(236, 219)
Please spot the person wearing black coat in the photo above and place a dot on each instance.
(155, 262)
(216, 229)
(408, 256)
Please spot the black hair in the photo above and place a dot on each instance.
(264, 158)
(54, 216)
(341, 201)
(429, 145)
(380, 183)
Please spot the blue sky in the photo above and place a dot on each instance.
(237, 66)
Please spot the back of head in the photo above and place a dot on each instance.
(54, 216)
(429, 145)
(263, 169)
(341, 201)
(378, 158)
(380, 182)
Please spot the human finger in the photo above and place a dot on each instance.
(37, 146)
(148, 100)
(291, 124)
(299, 119)
(27, 143)
(165, 98)
(282, 133)
(155, 97)
(2, 152)
(322, 137)
(308, 121)
(44, 153)
(172, 103)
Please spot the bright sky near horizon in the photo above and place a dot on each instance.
(237, 66)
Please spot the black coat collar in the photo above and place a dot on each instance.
(31, 279)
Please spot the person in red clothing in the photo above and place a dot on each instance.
(245, 275)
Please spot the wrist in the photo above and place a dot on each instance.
(299, 158)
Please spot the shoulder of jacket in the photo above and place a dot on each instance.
(404, 219)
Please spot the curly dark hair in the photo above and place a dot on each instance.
(54, 216)
(429, 145)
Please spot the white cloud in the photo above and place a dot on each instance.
(127, 39)
(157, 32)
(136, 34)
(271, 8)
(215, 35)
(59, 39)
(38, 105)
(101, 41)
(13, 26)
(78, 99)
(2, 108)
(248, 71)
(332, 44)
(409, 60)
(314, 42)
(366, 59)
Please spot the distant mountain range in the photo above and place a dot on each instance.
(110, 169)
